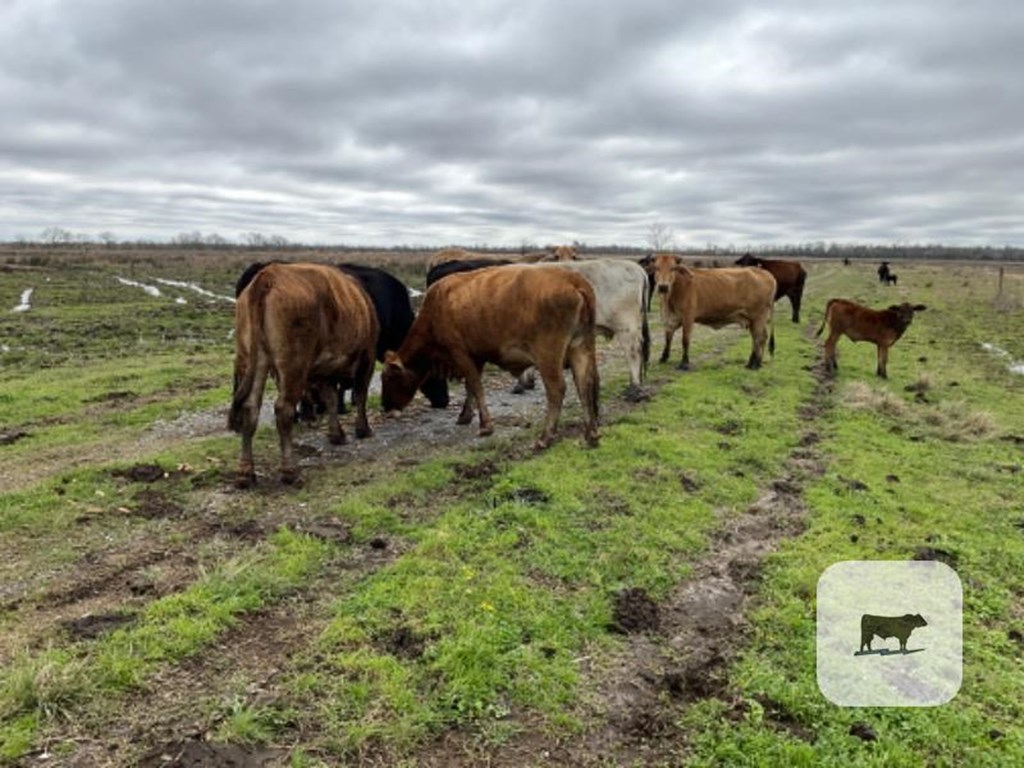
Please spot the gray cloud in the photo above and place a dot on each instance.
(437, 122)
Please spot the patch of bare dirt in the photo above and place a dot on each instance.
(91, 626)
(195, 753)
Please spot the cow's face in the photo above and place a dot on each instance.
(665, 271)
(564, 253)
(905, 312)
(747, 260)
(915, 620)
(398, 383)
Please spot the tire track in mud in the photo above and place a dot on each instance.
(677, 652)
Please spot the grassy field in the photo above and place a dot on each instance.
(430, 598)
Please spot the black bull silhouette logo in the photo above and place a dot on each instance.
(885, 627)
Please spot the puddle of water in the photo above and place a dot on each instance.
(26, 301)
(195, 288)
(152, 290)
(1015, 366)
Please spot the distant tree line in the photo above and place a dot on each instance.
(659, 237)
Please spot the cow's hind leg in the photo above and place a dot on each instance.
(360, 391)
(246, 476)
(758, 339)
(329, 395)
(831, 360)
(583, 361)
(550, 368)
(288, 395)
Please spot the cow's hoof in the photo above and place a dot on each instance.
(518, 389)
(663, 359)
(592, 440)
(363, 432)
(464, 420)
(485, 431)
(683, 367)
(635, 394)
(338, 439)
(291, 477)
(245, 480)
(754, 365)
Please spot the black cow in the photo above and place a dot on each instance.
(885, 627)
(890, 278)
(390, 298)
(883, 272)
(446, 268)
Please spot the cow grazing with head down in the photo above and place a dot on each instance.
(883, 328)
(305, 325)
(514, 317)
(620, 289)
(390, 297)
(716, 298)
(789, 276)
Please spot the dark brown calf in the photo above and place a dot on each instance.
(882, 327)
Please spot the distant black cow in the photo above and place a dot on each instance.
(789, 276)
(390, 298)
(885, 627)
(883, 272)
(890, 278)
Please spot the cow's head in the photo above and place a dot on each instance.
(564, 253)
(915, 620)
(905, 312)
(748, 260)
(665, 268)
(398, 383)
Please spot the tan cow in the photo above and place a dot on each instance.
(882, 327)
(514, 317)
(303, 324)
(716, 298)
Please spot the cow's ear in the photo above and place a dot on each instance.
(920, 307)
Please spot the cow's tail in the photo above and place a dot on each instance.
(589, 385)
(244, 381)
(826, 318)
(645, 333)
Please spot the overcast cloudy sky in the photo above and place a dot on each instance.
(485, 121)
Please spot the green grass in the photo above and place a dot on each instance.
(492, 591)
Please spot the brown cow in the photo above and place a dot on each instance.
(513, 316)
(789, 279)
(303, 324)
(715, 297)
(882, 327)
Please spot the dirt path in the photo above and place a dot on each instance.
(676, 652)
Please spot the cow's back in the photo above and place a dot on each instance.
(620, 288)
(312, 315)
(486, 310)
(717, 294)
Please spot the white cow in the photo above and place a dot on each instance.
(620, 288)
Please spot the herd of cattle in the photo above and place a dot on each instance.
(317, 330)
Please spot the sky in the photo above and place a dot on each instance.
(429, 122)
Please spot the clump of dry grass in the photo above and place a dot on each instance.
(863, 397)
(954, 421)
